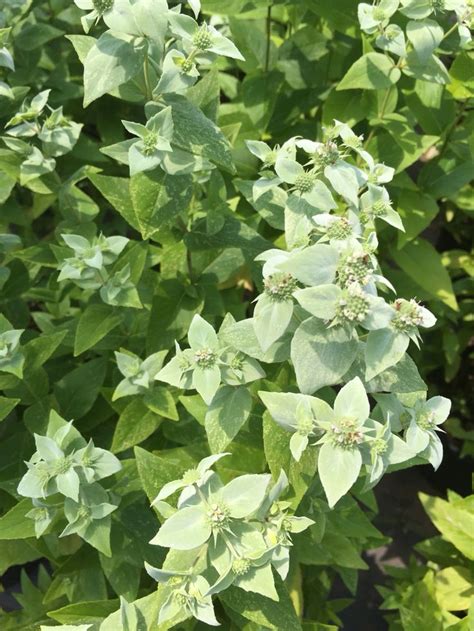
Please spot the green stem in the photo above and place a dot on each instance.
(450, 30)
(102, 275)
(192, 55)
(189, 260)
(269, 33)
(201, 495)
(189, 263)
(229, 544)
(381, 113)
(148, 91)
(154, 65)
(452, 127)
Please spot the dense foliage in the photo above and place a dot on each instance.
(227, 231)
(444, 584)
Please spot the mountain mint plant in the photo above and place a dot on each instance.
(216, 273)
(207, 363)
(11, 357)
(64, 465)
(239, 530)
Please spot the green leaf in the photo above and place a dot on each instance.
(402, 146)
(15, 525)
(372, 71)
(420, 609)
(116, 191)
(454, 589)
(342, 550)
(315, 265)
(148, 609)
(97, 535)
(226, 415)
(94, 324)
(243, 495)
(77, 391)
(155, 471)
(158, 198)
(270, 205)
(445, 179)
(205, 94)
(420, 261)
(425, 36)
(321, 356)
(384, 348)
(161, 401)
(201, 334)
(7, 184)
(404, 377)
(241, 336)
(85, 612)
(271, 319)
(135, 424)
(320, 301)
(431, 69)
(417, 211)
(39, 350)
(262, 611)
(113, 60)
(233, 234)
(6, 406)
(462, 72)
(338, 469)
(298, 444)
(206, 381)
(16, 553)
(82, 45)
(342, 16)
(195, 133)
(32, 36)
(259, 580)
(172, 311)
(455, 523)
(185, 530)
(352, 402)
(277, 452)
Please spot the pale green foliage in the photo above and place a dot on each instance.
(90, 265)
(148, 152)
(443, 580)
(139, 375)
(11, 357)
(289, 392)
(240, 529)
(65, 465)
(208, 363)
(415, 46)
(57, 134)
(342, 279)
(350, 439)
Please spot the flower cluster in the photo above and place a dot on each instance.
(207, 363)
(11, 357)
(89, 268)
(154, 141)
(62, 480)
(232, 533)
(331, 269)
(351, 441)
(416, 44)
(57, 134)
(138, 375)
(177, 49)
